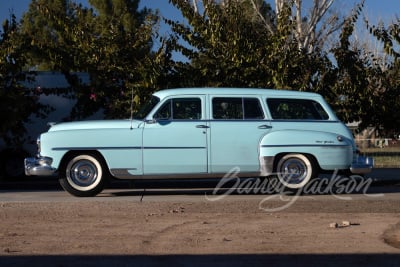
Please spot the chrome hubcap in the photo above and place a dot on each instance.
(293, 171)
(83, 173)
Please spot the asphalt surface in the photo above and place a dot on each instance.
(380, 177)
(386, 182)
(43, 189)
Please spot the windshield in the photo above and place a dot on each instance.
(146, 108)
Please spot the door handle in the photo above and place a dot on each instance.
(264, 126)
(202, 126)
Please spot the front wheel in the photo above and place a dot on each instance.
(295, 170)
(83, 175)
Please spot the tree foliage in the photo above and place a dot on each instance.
(16, 102)
(228, 43)
(353, 91)
(388, 88)
(247, 44)
(111, 41)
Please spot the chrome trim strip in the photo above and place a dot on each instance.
(95, 148)
(124, 174)
(211, 120)
(305, 145)
(125, 148)
(243, 120)
(237, 120)
(314, 121)
(174, 147)
(165, 121)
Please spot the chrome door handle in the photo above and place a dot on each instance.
(264, 126)
(202, 126)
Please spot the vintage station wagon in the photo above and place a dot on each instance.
(200, 133)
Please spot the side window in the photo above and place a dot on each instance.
(165, 112)
(236, 108)
(227, 108)
(180, 109)
(252, 109)
(296, 109)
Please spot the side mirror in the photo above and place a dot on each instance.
(151, 121)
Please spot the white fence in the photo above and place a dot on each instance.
(376, 142)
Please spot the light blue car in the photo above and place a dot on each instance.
(200, 133)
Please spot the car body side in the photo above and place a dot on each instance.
(205, 146)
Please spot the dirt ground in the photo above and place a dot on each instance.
(232, 226)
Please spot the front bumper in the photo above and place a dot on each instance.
(40, 166)
(362, 165)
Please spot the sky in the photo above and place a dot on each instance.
(374, 9)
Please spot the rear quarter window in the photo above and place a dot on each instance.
(296, 109)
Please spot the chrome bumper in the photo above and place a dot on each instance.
(362, 165)
(40, 166)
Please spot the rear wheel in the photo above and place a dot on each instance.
(295, 170)
(83, 175)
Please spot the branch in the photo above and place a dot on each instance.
(266, 22)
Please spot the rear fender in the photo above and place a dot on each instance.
(330, 150)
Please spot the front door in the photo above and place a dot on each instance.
(175, 141)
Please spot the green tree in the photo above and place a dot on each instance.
(227, 45)
(16, 102)
(387, 105)
(111, 41)
(246, 44)
(219, 45)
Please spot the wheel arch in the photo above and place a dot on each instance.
(95, 153)
(88, 181)
(327, 151)
(310, 156)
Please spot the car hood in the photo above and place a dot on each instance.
(98, 124)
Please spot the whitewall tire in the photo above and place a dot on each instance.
(295, 170)
(83, 175)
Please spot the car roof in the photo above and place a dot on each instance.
(234, 91)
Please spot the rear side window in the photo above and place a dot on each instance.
(237, 108)
(296, 109)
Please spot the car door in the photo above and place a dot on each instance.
(236, 129)
(175, 141)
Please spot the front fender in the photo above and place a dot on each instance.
(330, 150)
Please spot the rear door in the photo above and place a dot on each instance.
(236, 127)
